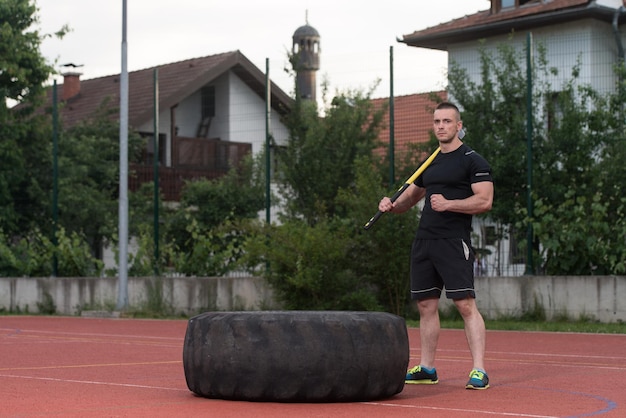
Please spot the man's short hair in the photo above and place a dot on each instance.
(447, 105)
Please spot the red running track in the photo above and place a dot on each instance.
(90, 367)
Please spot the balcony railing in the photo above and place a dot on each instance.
(192, 159)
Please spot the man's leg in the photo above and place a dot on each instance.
(474, 330)
(429, 330)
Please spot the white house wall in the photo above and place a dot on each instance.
(189, 113)
(239, 116)
(614, 4)
(278, 130)
(590, 42)
(247, 116)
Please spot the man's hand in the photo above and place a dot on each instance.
(385, 205)
(439, 203)
(479, 202)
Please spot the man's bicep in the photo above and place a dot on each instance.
(484, 192)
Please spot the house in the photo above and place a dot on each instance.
(571, 30)
(212, 111)
(574, 32)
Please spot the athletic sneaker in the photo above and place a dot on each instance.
(418, 376)
(478, 380)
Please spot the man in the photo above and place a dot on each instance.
(456, 185)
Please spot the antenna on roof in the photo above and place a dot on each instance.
(70, 64)
(306, 16)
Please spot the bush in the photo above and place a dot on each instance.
(308, 266)
(34, 256)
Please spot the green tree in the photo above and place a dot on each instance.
(494, 117)
(89, 176)
(204, 234)
(25, 159)
(336, 264)
(320, 256)
(32, 254)
(309, 267)
(319, 157)
(579, 217)
(582, 236)
(24, 69)
(239, 194)
(379, 256)
(577, 136)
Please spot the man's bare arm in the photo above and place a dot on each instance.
(404, 202)
(480, 202)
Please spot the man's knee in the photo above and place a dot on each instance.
(467, 306)
(428, 306)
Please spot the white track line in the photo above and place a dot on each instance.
(530, 354)
(14, 332)
(531, 362)
(473, 411)
(91, 382)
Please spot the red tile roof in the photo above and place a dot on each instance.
(489, 23)
(176, 81)
(412, 119)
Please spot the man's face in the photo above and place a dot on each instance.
(446, 125)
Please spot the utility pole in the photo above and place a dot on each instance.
(529, 154)
(122, 297)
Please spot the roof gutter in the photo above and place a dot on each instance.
(440, 40)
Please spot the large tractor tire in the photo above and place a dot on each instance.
(296, 356)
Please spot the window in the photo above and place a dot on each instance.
(554, 112)
(517, 255)
(489, 235)
(275, 166)
(208, 101)
(507, 3)
(147, 154)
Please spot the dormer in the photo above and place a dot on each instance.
(499, 5)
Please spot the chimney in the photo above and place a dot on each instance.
(71, 82)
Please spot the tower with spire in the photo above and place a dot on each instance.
(306, 59)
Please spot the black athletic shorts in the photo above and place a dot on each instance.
(442, 263)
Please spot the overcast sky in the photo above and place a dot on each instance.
(356, 36)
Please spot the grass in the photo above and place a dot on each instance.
(561, 325)
(531, 321)
(534, 319)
